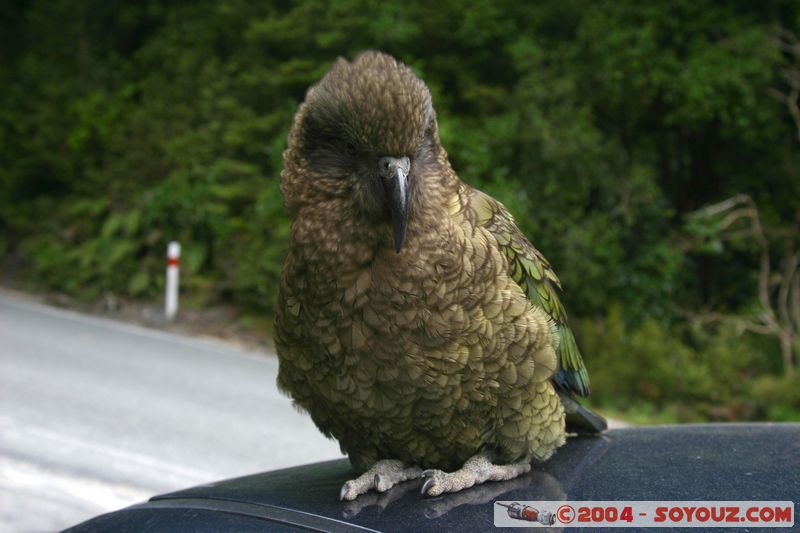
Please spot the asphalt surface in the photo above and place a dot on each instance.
(96, 415)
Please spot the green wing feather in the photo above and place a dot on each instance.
(533, 273)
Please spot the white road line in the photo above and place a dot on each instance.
(12, 431)
(18, 475)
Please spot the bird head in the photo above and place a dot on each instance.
(365, 133)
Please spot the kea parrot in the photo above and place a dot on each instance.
(415, 323)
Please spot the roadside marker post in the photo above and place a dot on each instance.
(173, 272)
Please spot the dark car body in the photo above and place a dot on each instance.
(687, 462)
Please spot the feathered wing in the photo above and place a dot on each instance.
(533, 273)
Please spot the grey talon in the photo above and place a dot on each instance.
(377, 481)
(428, 472)
(430, 482)
(343, 492)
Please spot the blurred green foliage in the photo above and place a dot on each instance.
(601, 124)
(685, 374)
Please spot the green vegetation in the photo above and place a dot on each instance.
(605, 126)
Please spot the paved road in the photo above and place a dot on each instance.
(96, 415)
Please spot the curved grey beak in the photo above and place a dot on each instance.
(394, 172)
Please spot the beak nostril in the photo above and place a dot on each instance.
(387, 165)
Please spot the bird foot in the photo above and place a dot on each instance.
(382, 476)
(478, 469)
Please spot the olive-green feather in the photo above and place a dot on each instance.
(533, 273)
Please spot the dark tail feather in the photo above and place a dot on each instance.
(580, 420)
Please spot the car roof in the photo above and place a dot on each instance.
(682, 462)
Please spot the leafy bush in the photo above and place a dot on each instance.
(684, 375)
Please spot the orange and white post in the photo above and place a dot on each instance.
(173, 274)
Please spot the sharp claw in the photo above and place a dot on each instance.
(428, 472)
(377, 482)
(429, 483)
(343, 492)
